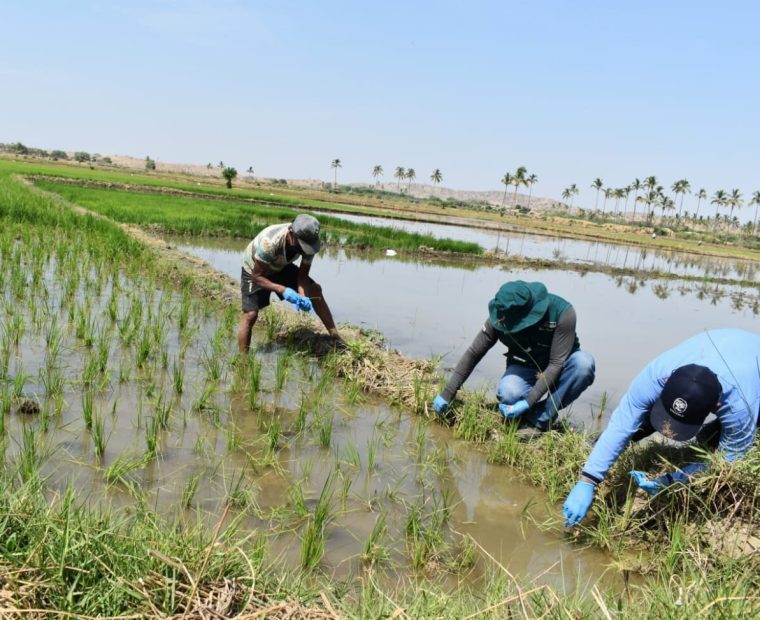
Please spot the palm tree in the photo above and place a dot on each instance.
(250, 170)
(735, 200)
(507, 179)
(567, 194)
(335, 164)
(626, 192)
(518, 180)
(436, 178)
(682, 187)
(530, 181)
(755, 200)
(377, 171)
(399, 174)
(635, 186)
(608, 193)
(598, 184)
(719, 199)
(650, 183)
(411, 175)
(619, 195)
(701, 195)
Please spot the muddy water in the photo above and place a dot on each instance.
(220, 456)
(427, 310)
(576, 251)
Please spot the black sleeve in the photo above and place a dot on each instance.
(562, 346)
(485, 339)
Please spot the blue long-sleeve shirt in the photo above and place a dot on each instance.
(732, 354)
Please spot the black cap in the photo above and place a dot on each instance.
(689, 395)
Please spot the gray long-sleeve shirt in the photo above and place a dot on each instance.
(562, 346)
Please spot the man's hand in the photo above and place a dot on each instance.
(512, 412)
(440, 404)
(578, 502)
(299, 301)
(652, 487)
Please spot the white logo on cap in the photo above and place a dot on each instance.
(679, 406)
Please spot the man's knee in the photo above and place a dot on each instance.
(249, 318)
(584, 365)
(313, 289)
(511, 389)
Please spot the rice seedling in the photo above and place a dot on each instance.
(372, 446)
(204, 401)
(190, 489)
(99, 438)
(19, 381)
(312, 546)
(351, 455)
(373, 550)
(162, 412)
(122, 466)
(178, 376)
(87, 407)
(301, 414)
(325, 429)
(254, 381)
(274, 436)
(144, 349)
(282, 369)
(297, 501)
(240, 495)
(90, 371)
(152, 432)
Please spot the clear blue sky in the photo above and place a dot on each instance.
(571, 89)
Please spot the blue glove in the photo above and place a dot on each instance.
(681, 477)
(652, 487)
(514, 411)
(578, 502)
(440, 404)
(300, 302)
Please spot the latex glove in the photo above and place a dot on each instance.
(440, 404)
(578, 502)
(652, 487)
(681, 477)
(300, 302)
(514, 411)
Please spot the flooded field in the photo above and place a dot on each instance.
(436, 310)
(577, 251)
(135, 396)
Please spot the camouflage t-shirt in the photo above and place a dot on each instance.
(269, 247)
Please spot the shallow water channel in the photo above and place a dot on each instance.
(576, 251)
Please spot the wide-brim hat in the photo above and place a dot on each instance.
(517, 306)
(690, 394)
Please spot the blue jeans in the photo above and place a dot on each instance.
(577, 374)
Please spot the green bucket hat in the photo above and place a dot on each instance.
(518, 305)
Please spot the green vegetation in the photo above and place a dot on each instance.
(111, 316)
(194, 216)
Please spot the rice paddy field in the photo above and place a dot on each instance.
(149, 470)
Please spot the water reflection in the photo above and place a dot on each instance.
(534, 246)
(434, 308)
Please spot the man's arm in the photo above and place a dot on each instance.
(303, 273)
(259, 277)
(562, 346)
(485, 339)
(632, 410)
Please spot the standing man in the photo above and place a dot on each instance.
(544, 357)
(713, 372)
(268, 268)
